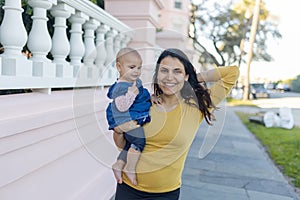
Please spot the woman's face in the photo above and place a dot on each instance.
(171, 76)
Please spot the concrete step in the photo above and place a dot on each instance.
(56, 146)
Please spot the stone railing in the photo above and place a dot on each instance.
(85, 59)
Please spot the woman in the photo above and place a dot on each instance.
(175, 121)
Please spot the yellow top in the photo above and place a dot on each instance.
(169, 136)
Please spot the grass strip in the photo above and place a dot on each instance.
(283, 146)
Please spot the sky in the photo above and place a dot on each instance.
(284, 51)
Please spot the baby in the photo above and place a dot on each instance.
(130, 101)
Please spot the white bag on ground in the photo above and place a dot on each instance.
(271, 119)
(286, 118)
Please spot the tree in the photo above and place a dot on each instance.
(253, 31)
(225, 25)
(296, 84)
(99, 3)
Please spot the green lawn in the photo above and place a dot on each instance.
(282, 145)
(235, 102)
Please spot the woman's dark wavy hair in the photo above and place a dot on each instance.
(192, 89)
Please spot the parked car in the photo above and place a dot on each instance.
(283, 87)
(270, 86)
(258, 90)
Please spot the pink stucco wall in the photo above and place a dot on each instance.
(173, 18)
(146, 17)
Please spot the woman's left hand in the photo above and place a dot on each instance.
(155, 99)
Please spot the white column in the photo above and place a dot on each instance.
(124, 41)
(60, 44)
(90, 47)
(39, 40)
(13, 37)
(76, 42)
(13, 33)
(111, 72)
(101, 50)
(117, 43)
(109, 43)
(89, 41)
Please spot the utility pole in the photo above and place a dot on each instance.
(254, 24)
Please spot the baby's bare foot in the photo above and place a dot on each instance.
(131, 175)
(117, 169)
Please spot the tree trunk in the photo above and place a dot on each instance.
(246, 95)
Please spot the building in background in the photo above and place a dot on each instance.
(174, 27)
(158, 24)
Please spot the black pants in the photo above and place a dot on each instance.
(125, 192)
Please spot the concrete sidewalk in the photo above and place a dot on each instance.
(238, 168)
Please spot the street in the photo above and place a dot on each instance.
(279, 99)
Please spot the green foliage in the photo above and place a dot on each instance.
(237, 102)
(282, 145)
(226, 26)
(100, 3)
(296, 84)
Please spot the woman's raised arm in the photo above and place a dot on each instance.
(213, 75)
(224, 78)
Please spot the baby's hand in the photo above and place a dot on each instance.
(155, 99)
(133, 88)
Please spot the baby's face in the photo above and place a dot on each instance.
(129, 67)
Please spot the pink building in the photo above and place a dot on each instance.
(158, 24)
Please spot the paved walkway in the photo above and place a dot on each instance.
(238, 168)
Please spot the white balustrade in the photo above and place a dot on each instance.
(110, 72)
(76, 42)
(90, 47)
(125, 40)
(60, 43)
(101, 50)
(13, 37)
(39, 40)
(13, 33)
(39, 31)
(117, 42)
(94, 55)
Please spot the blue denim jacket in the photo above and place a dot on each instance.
(138, 111)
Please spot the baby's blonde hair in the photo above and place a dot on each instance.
(126, 51)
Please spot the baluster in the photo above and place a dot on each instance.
(101, 50)
(39, 40)
(76, 42)
(60, 44)
(117, 43)
(124, 41)
(109, 48)
(110, 71)
(90, 47)
(13, 33)
(13, 38)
